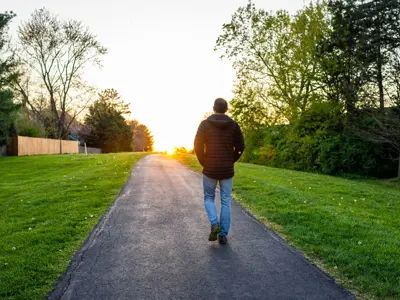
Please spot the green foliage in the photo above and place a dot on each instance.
(30, 131)
(109, 129)
(341, 154)
(180, 150)
(247, 109)
(308, 86)
(8, 111)
(142, 138)
(26, 124)
(319, 141)
(362, 48)
(8, 108)
(275, 59)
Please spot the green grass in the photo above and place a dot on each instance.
(350, 228)
(48, 206)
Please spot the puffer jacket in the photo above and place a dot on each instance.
(218, 145)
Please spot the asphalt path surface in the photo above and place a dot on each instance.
(153, 244)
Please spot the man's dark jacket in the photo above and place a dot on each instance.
(218, 145)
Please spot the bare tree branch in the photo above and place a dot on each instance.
(57, 52)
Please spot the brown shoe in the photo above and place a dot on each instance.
(215, 229)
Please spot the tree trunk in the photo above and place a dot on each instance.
(379, 64)
(60, 126)
(398, 168)
(380, 81)
(350, 97)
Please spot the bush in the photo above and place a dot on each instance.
(26, 125)
(29, 131)
(319, 142)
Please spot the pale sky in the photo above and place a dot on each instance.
(160, 55)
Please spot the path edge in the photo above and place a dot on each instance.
(351, 293)
(61, 285)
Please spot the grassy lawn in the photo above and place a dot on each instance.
(48, 206)
(350, 228)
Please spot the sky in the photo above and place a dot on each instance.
(161, 56)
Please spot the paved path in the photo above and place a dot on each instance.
(152, 244)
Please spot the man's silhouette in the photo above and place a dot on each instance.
(218, 145)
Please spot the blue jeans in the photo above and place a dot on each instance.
(225, 186)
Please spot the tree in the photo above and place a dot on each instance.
(363, 42)
(393, 79)
(54, 55)
(381, 21)
(180, 150)
(26, 124)
(249, 109)
(8, 112)
(8, 108)
(109, 129)
(362, 55)
(143, 141)
(344, 62)
(381, 127)
(141, 135)
(275, 55)
(133, 124)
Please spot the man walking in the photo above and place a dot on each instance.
(218, 145)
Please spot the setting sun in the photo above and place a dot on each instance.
(167, 137)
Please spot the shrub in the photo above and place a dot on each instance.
(319, 142)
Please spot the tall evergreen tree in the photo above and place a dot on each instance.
(380, 21)
(343, 57)
(364, 37)
(8, 74)
(109, 129)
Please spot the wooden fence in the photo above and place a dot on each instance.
(21, 145)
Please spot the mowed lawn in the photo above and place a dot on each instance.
(48, 206)
(351, 228)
